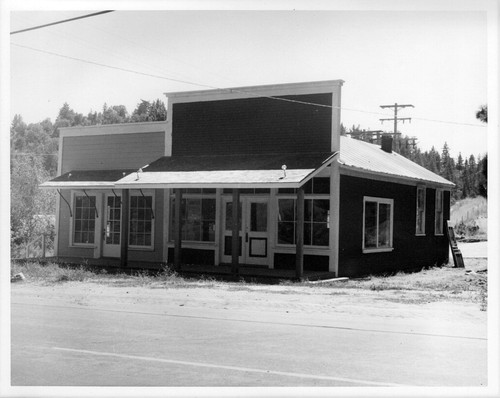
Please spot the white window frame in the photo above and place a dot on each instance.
(417, 232)
(440, 215)
(74, 195)
(153, 207)
(306, 197)
(200, 196)
(391, 242)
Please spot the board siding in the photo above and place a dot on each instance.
(111, 152)
(410, 252)
(311, 262)
(194, 256)
(252, 125)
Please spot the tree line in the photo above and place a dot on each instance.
(468, 173)
(33, 151)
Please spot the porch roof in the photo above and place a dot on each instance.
(86, 179)
(229, 171)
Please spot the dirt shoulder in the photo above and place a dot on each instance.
(360, 307)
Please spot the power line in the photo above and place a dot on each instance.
(227, 89)
(59, 22)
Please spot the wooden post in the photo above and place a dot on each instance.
(235, 233)
(43, 245)
(299, 244)
(178, 230)
(124, 228)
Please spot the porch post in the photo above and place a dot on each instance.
(299, 244)
(178, 230)
(124, 228)
(235, 246)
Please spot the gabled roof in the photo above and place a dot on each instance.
(371, 159)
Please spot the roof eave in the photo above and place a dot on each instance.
(361, 172)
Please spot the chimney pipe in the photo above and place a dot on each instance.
(387, 143)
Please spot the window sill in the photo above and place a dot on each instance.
(438, 234)
(289, 246)
(141, 248)
(82, 246)
(382, 250)
(420, 235)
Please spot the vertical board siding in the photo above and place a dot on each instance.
(252, 125)
(410, 251)
(112, 151)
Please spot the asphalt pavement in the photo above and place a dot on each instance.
(64, 345)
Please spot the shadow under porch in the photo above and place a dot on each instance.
(223, 271)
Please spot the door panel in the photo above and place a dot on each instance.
(112, 226)
(253, 235)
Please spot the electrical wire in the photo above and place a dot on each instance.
(230, 90)
(59, 22)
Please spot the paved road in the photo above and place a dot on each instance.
(87, 346)
(473, 249)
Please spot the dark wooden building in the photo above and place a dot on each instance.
(308, 198)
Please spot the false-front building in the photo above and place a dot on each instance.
(309, 198)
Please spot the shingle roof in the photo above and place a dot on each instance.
(86, 179)
(363, 156)
(229, 171)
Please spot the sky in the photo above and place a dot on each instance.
(435, 60)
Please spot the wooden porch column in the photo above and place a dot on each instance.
(124, 228)
(178, 229)
(235, 232)
(299, 244)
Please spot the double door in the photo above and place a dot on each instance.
(253, 231)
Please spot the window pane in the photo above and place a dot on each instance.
(140, 221)
(307, 233)
(229, 216)
(286, 210)
(307, 210)
(286, 231)
(384, 229)
(320, 234)
(370, 224)
(84, 220)
(208, 209)
(320, 210)
(192, 230)
(258, 217)
(208, 231)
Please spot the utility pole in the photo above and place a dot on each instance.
(396, 106)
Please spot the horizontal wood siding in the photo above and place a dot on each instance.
(252, 125)
(410, 251)
(113, 151)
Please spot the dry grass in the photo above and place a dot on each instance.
(434, 284)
